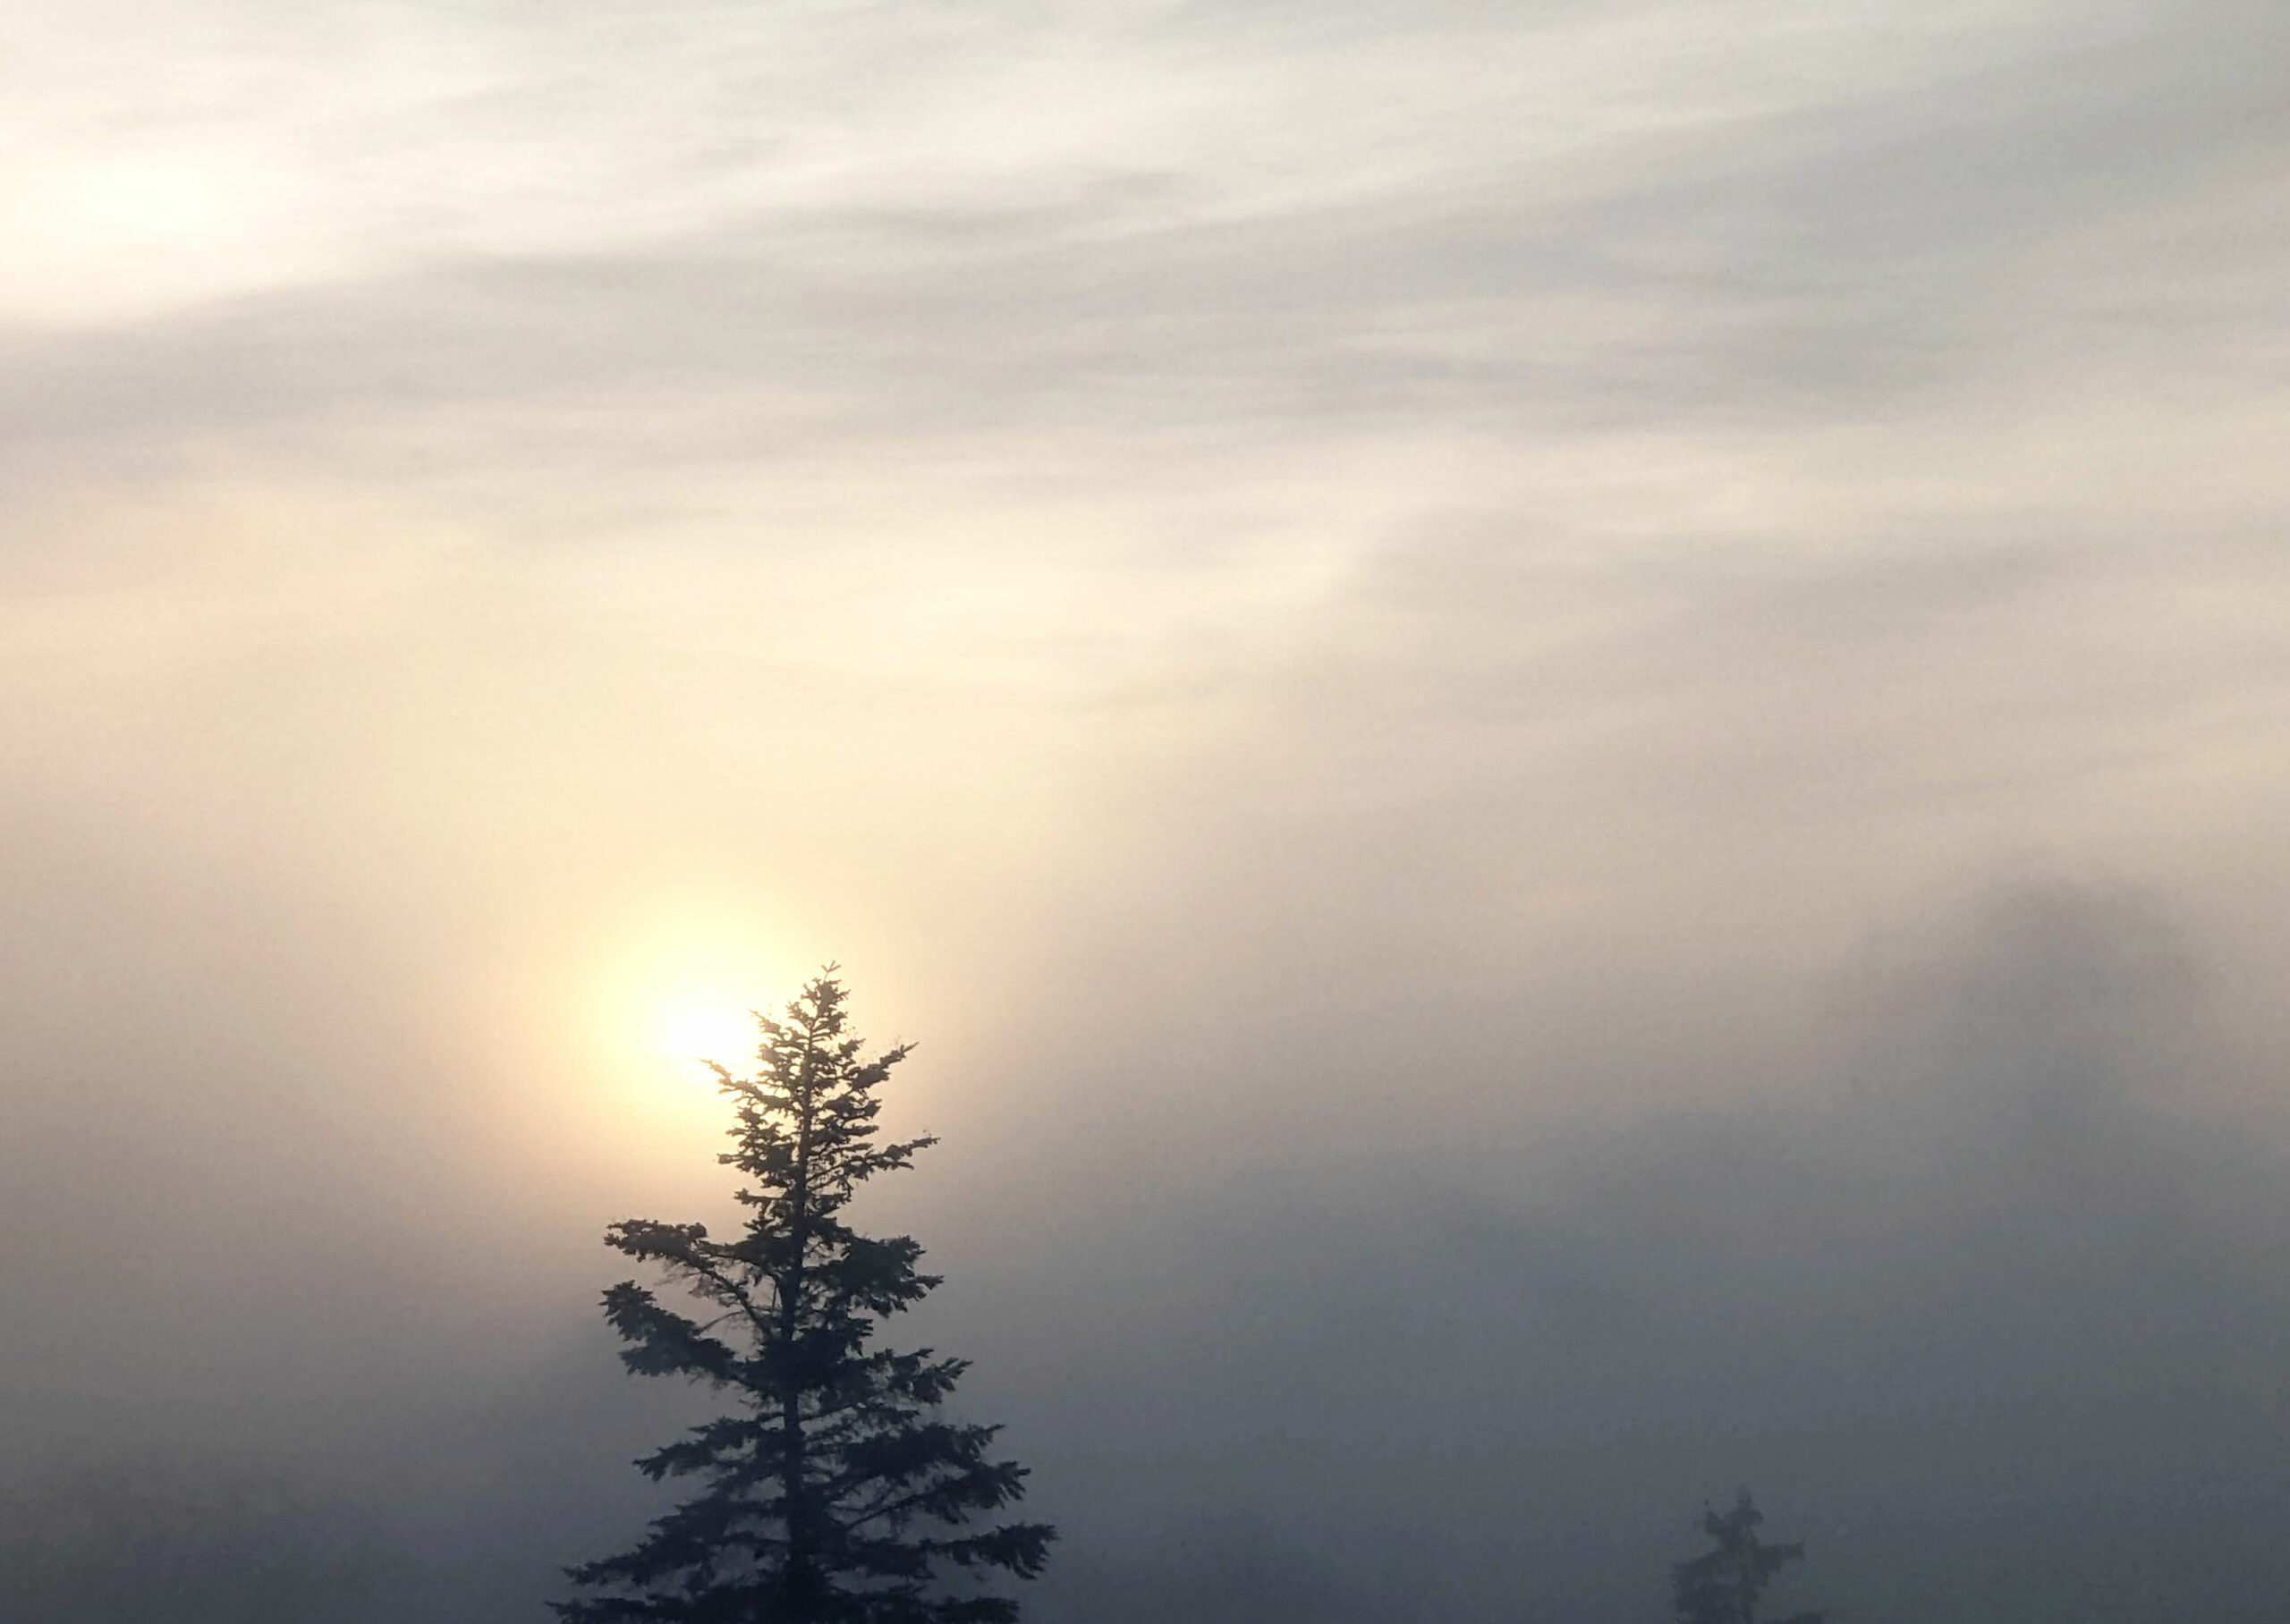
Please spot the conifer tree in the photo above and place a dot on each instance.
(1724, 1584)
(835, 1492)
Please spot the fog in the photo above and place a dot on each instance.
(1562, 724)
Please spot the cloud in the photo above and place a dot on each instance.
(1387, 627)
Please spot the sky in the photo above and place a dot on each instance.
(1563, 726)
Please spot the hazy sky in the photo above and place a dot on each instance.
(1566, 725)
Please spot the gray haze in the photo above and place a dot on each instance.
(1566, 725)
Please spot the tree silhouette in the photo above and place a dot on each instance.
(836, 1492)
(1723, 1584)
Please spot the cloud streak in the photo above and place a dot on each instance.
(1563, 721)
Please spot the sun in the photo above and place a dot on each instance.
(719, 1034)
(669, 988)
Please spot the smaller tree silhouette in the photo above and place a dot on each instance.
(1723, 1584)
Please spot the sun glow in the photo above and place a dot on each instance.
(696, 1035)
(112, 236)
(639, 999)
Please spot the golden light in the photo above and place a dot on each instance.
(724, 1035)
(629, 1003)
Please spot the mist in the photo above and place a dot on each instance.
(1562, 725)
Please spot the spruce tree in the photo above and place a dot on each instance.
(835, 1492)
(1724, 1584)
